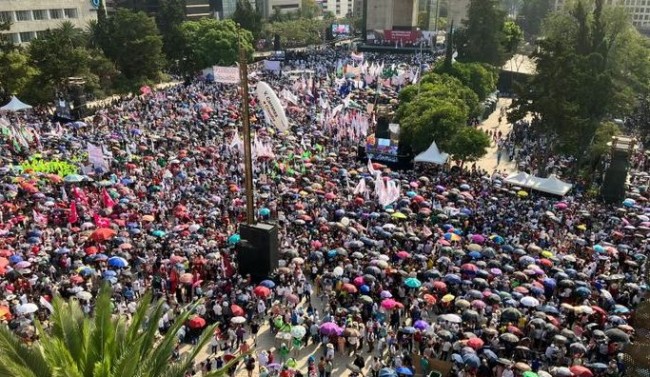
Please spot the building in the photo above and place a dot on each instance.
(224, 8)
(639, 10)
(339, 8)
(268, 7)
(457, 12)
(30, 18)
(195, 9)
(392, 15)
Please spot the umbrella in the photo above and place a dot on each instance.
(298, 331)
(580, 371)
(529, 301)
(103, 234)
(329, 328)
(27, 308)
(238, 320)
(237, 310)
(421, 325)
(268, 284)
(117, 262)
(262, 291)
(196, 322)
(412, 282)
(404, 371)
(617, 335)
(451, 318)
(387, 372)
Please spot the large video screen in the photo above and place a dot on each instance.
(340, 29)
(376, 145)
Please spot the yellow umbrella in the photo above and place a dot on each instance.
(547, 254)
(398, 215)
(448, 298)
(522, 193)
(582, 227)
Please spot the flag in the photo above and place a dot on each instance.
(46, 304)
(361, 187)
(64, 194)
(426, 232)
(371, 169)
(39, 219)
(107, 200)
(73, 217)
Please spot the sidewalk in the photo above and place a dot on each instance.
(489, 161)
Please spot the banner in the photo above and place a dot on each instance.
(272, 65)
(96, 157)
(401, 35)
(355, 56)
(226, 75)
(272, 107)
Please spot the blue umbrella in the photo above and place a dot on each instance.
(100, 257)
(332, 253)
(364, 289)
(475, 255)
(452, 279)
(33, 240)
(15, 258)
(117, 262)
(234, 239)
(34, 233)
(472, 360)
(387, 372)
(265, 211)
(404, 371)
(490, 354)
(62, 250)
(109, 273)
(111, 279)
(158, 233)
(268, 284)
(85, 271)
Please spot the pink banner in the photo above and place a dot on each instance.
(401, 35)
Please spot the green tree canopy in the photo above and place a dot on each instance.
(468, 144)
(168, 19)
(531, 15)
(482, 38)
(135, 46)
(442, 86)
(309, 9)
(211, 42)
(102, 345)
(590, 64)
(16, 72)
(298, 32)
(481, 78)
(248, 18)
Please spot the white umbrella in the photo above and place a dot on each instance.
(529, 301)
(298, 331)
(84, 295)
(27, 308)
(452, 318)
(298, 260)
(238, 320)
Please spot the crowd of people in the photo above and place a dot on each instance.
(492, 280)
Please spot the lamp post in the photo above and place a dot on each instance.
(246, 129)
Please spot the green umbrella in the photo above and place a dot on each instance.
(412, 283)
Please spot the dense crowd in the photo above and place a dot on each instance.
(461, 267)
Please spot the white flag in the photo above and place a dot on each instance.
(361, 187)
(371, 170)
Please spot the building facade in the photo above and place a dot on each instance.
(267, 7)
(639, 10)
(392, 14)
(457, 12)
(195, 9)
(340, 8)
(31, 18)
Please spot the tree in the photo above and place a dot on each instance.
(135, 46)
(512, 36)
(168, 19)
(427, 119)
(442, 86)
(102, 345)
(468, 144)
(482, 38)
(16, 72)
(481, 78)
(299, 32)
(309, 9)
(584, 75)
(531, 15)
(248, 18)
(209, 42)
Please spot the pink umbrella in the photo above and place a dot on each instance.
(443, 242)
(561, 205)
(389, 304)
(403, 254)
(358, 281)
(292, 298)
(330, 196)
(478, 304)
(477, 238)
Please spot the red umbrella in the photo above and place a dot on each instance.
(599, 310)
(580, 371)
(349, 288)
(236, 310)
(440, 286)
(196, 322)
(103, 234)
(475, 343)
(261, 291)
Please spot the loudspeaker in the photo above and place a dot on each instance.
(276, 42)
(257, 253)
(613, 187)
(382, 131)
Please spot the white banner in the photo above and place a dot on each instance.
(226, 75)
(96, 156)
(272, 107)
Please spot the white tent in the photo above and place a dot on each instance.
(521, 179)
(15, 105)
(432, 155)
(552, 185)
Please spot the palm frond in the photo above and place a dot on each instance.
(29, 360)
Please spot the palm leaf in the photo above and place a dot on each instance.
(20, 360)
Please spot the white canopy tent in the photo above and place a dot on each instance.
(15, 105)
(551, 185)
(432, 155)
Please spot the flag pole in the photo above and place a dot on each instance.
(246, 129)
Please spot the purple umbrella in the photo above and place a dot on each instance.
(330, 328)
(421, 325)
(496, 271)
(477, 238)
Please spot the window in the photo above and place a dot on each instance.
(13, 37)
(56, 14)
(41, 34)
(26, 36)
(70, 12)
(39, 14)
(6, 16)
(23, 15)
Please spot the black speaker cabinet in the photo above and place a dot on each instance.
(613, 187)
(257, 253)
